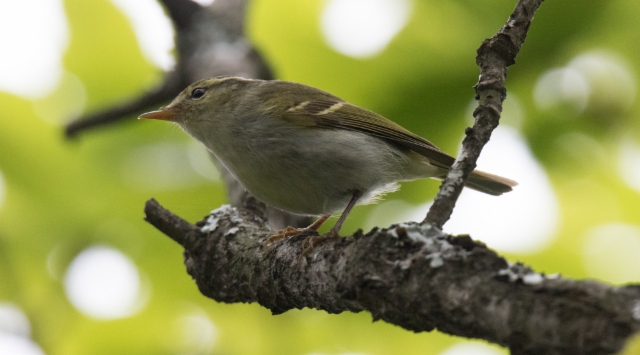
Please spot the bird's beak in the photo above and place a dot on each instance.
(166, 114)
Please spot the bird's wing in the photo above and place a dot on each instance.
(342, 115)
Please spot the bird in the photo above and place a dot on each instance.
(305, 151)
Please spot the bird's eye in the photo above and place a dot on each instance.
(197, 93)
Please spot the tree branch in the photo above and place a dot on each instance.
(494, 56)
(410, 275)
(171, 86)
(210, 42)
(181, 12)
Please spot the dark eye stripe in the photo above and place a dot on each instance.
(197, 93)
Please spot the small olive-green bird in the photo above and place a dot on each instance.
(305, 151)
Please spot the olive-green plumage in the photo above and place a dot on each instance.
(304, 150)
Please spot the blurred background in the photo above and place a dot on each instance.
(82, 273)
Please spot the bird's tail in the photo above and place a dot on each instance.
(489, 184)
(484, 182)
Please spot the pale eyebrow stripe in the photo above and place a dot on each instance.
(222, 80)
(218, 81)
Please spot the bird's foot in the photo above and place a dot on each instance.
(315, 240)
(285, 233)
(290, 231)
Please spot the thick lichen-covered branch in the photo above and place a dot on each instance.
(410, 275)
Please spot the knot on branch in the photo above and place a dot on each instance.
(501, 46)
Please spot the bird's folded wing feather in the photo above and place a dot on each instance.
(342, 115)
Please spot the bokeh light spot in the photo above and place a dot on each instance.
(612, 87)
(103, 283)
(13, 321)
(560, 87)
(152, 28)
(31, 55)
(597, 82)
(521, 221)
(472, 349)
(629, 163)
(11, 344)
(611, 253)
(204, 2)
(198, 333)
(363, 28)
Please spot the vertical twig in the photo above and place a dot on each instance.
(494, 56)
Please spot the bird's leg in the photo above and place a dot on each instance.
(290, 231)
(316, 240)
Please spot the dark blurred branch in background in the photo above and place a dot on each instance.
(210, 42)
(410, 275)
(181, 12)
(494, 56)
(171, 86)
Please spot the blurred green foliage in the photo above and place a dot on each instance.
(62, 196)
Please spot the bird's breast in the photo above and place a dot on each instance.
(311, 171)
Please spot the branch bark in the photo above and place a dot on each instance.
(494, 56)
(410, 275)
